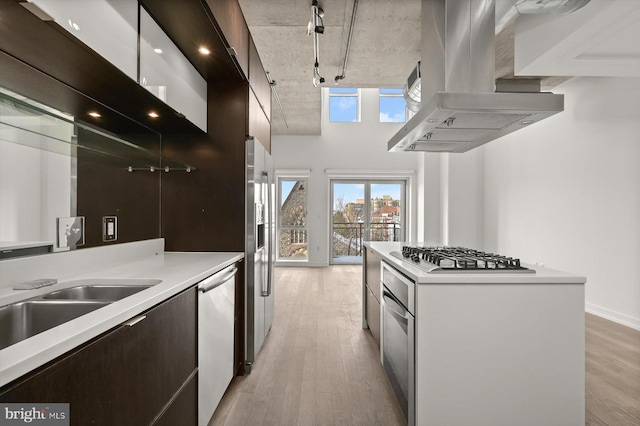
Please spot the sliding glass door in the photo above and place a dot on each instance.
(364, 210)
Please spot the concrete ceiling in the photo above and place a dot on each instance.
(385, 47)
(600, 39)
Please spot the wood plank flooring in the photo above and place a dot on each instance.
(612, 363)
(319, 367)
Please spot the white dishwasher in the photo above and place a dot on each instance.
(216, 296)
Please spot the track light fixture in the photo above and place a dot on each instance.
(316, 27)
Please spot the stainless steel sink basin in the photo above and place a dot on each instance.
(22, 320)
(95, 292)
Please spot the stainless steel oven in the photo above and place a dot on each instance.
(397, 337)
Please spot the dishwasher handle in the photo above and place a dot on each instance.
(394, 306)
(217, 279)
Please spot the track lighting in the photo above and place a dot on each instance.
(315, 27)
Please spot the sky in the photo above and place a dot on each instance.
(353, 191)
(345, 108)
(349, 191)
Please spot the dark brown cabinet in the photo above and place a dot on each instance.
(230, 20)
(372, 263)
(131, 375)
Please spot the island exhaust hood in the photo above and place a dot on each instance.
(460, 109)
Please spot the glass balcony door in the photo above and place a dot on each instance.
(364, 210)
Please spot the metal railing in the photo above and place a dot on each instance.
(348, 236)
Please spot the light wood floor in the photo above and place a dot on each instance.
(319, 367)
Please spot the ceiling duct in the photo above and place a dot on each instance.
(412, 90)
(460, 109)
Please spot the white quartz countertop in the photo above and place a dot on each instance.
(542, 276)
(178, 271)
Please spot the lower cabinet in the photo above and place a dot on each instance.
(371, 278)
(373, 315)
(136, 374)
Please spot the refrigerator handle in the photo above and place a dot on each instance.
(269, 223)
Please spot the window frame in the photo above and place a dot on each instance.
(295, 230)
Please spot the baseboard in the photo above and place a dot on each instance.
(613, 316)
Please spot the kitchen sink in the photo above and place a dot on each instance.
(22, 320)
(95, 292)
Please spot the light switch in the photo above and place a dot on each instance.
(109, 228)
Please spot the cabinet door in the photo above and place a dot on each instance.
(373, 316)
(258, 80)
(259, 126)
(230, 20)
(372, 272)
(124, 377)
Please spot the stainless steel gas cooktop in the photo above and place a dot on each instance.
(459, 260)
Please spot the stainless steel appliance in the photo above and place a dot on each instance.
(259, 252)
(459, 260)
(397, 337)
(460, 107)
(216, 311)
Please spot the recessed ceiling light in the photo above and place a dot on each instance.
(204, 50)
(95, 114)
(526, 122)
(158, 51)
(153, 114)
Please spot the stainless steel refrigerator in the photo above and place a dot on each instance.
(259, 250)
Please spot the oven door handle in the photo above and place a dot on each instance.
(394, 307)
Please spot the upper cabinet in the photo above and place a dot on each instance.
(165, 72)
(258, 80)
(110, 27)
(230, 20)
(124, 34)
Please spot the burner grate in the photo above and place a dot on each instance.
(460, 259)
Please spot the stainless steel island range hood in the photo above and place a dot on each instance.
(460, 109)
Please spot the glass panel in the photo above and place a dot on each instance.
(292, 233)
(110, 27)
(53, 167)
(348, 215)
(166, 73)
(391, 91)
(343, 109)
(343, 105)
(393, 107)
(386, 212)
(343, 90)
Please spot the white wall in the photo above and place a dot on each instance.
(566, 192)
(360, 148)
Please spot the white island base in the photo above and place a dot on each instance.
(493, 349)
(499, 354)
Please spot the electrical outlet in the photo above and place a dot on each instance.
(109, 228)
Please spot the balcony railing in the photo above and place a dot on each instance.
(348, 236)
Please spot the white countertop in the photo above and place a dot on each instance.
(16, 245)
(542, 276)
(178, 271)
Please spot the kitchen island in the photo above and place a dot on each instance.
(488, 348)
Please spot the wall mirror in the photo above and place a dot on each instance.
(54, 166)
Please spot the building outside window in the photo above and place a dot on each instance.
(344, 105)
(393, 108)
(292, 219)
